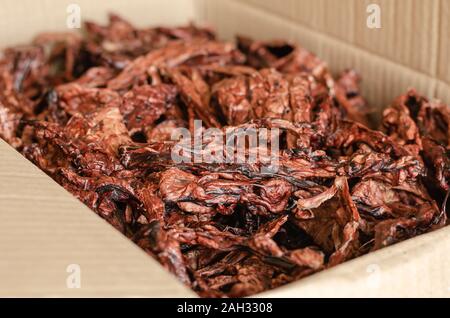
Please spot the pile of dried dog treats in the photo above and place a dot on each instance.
(97, 113)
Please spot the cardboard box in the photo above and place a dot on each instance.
(45, 232)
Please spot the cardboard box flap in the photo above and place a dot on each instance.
(21, 21)
(48, 237)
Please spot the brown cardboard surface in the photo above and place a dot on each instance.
(443, 69)
(44, 229)
(383, 79)
(319, 14)
(414, 268)
(408, 34)
(21, 20)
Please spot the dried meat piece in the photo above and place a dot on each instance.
(195, 97)
(117, 43)
(72, 99)
(263, 94)
(198, 51)
(348, 94)
(399, 124)
(158, 242)
(433, 120)
(164, 130)
(90, 143)
(425, 129)
(62, 46)
(438, 159)
(24, 69)
(144, 105)
(307, 257)
(284, 56)
(95, 77)
(262, 241)
(334, 223)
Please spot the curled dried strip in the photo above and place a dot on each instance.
(313, 202)
(23, 76)
(117, 43)
(153, 206)
(391, 231)
(425, 128)
(68, 45)
(207, 235)
(434, 122)
(263, 94)
(112, 198)
(11, 115)
(253, 276)
(162, 132)
(350, 133)
(399, 124)
(262, 241)
(283, 56)
(24, 69)
(438, 159)
(307, 257)
(95, 77)
(159, 242)
(71, 99)
(89, 143)
(223, 192)
(143, 105)
(334, 223)
(195, 97)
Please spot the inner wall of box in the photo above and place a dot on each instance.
(408, 51)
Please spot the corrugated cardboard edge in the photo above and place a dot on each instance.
(383, 79)
(44, 229)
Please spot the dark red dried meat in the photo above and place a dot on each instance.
(98, 113)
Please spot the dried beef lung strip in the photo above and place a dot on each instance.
(176, 53)
(119, 42)
(424, 128)
(97, 114)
